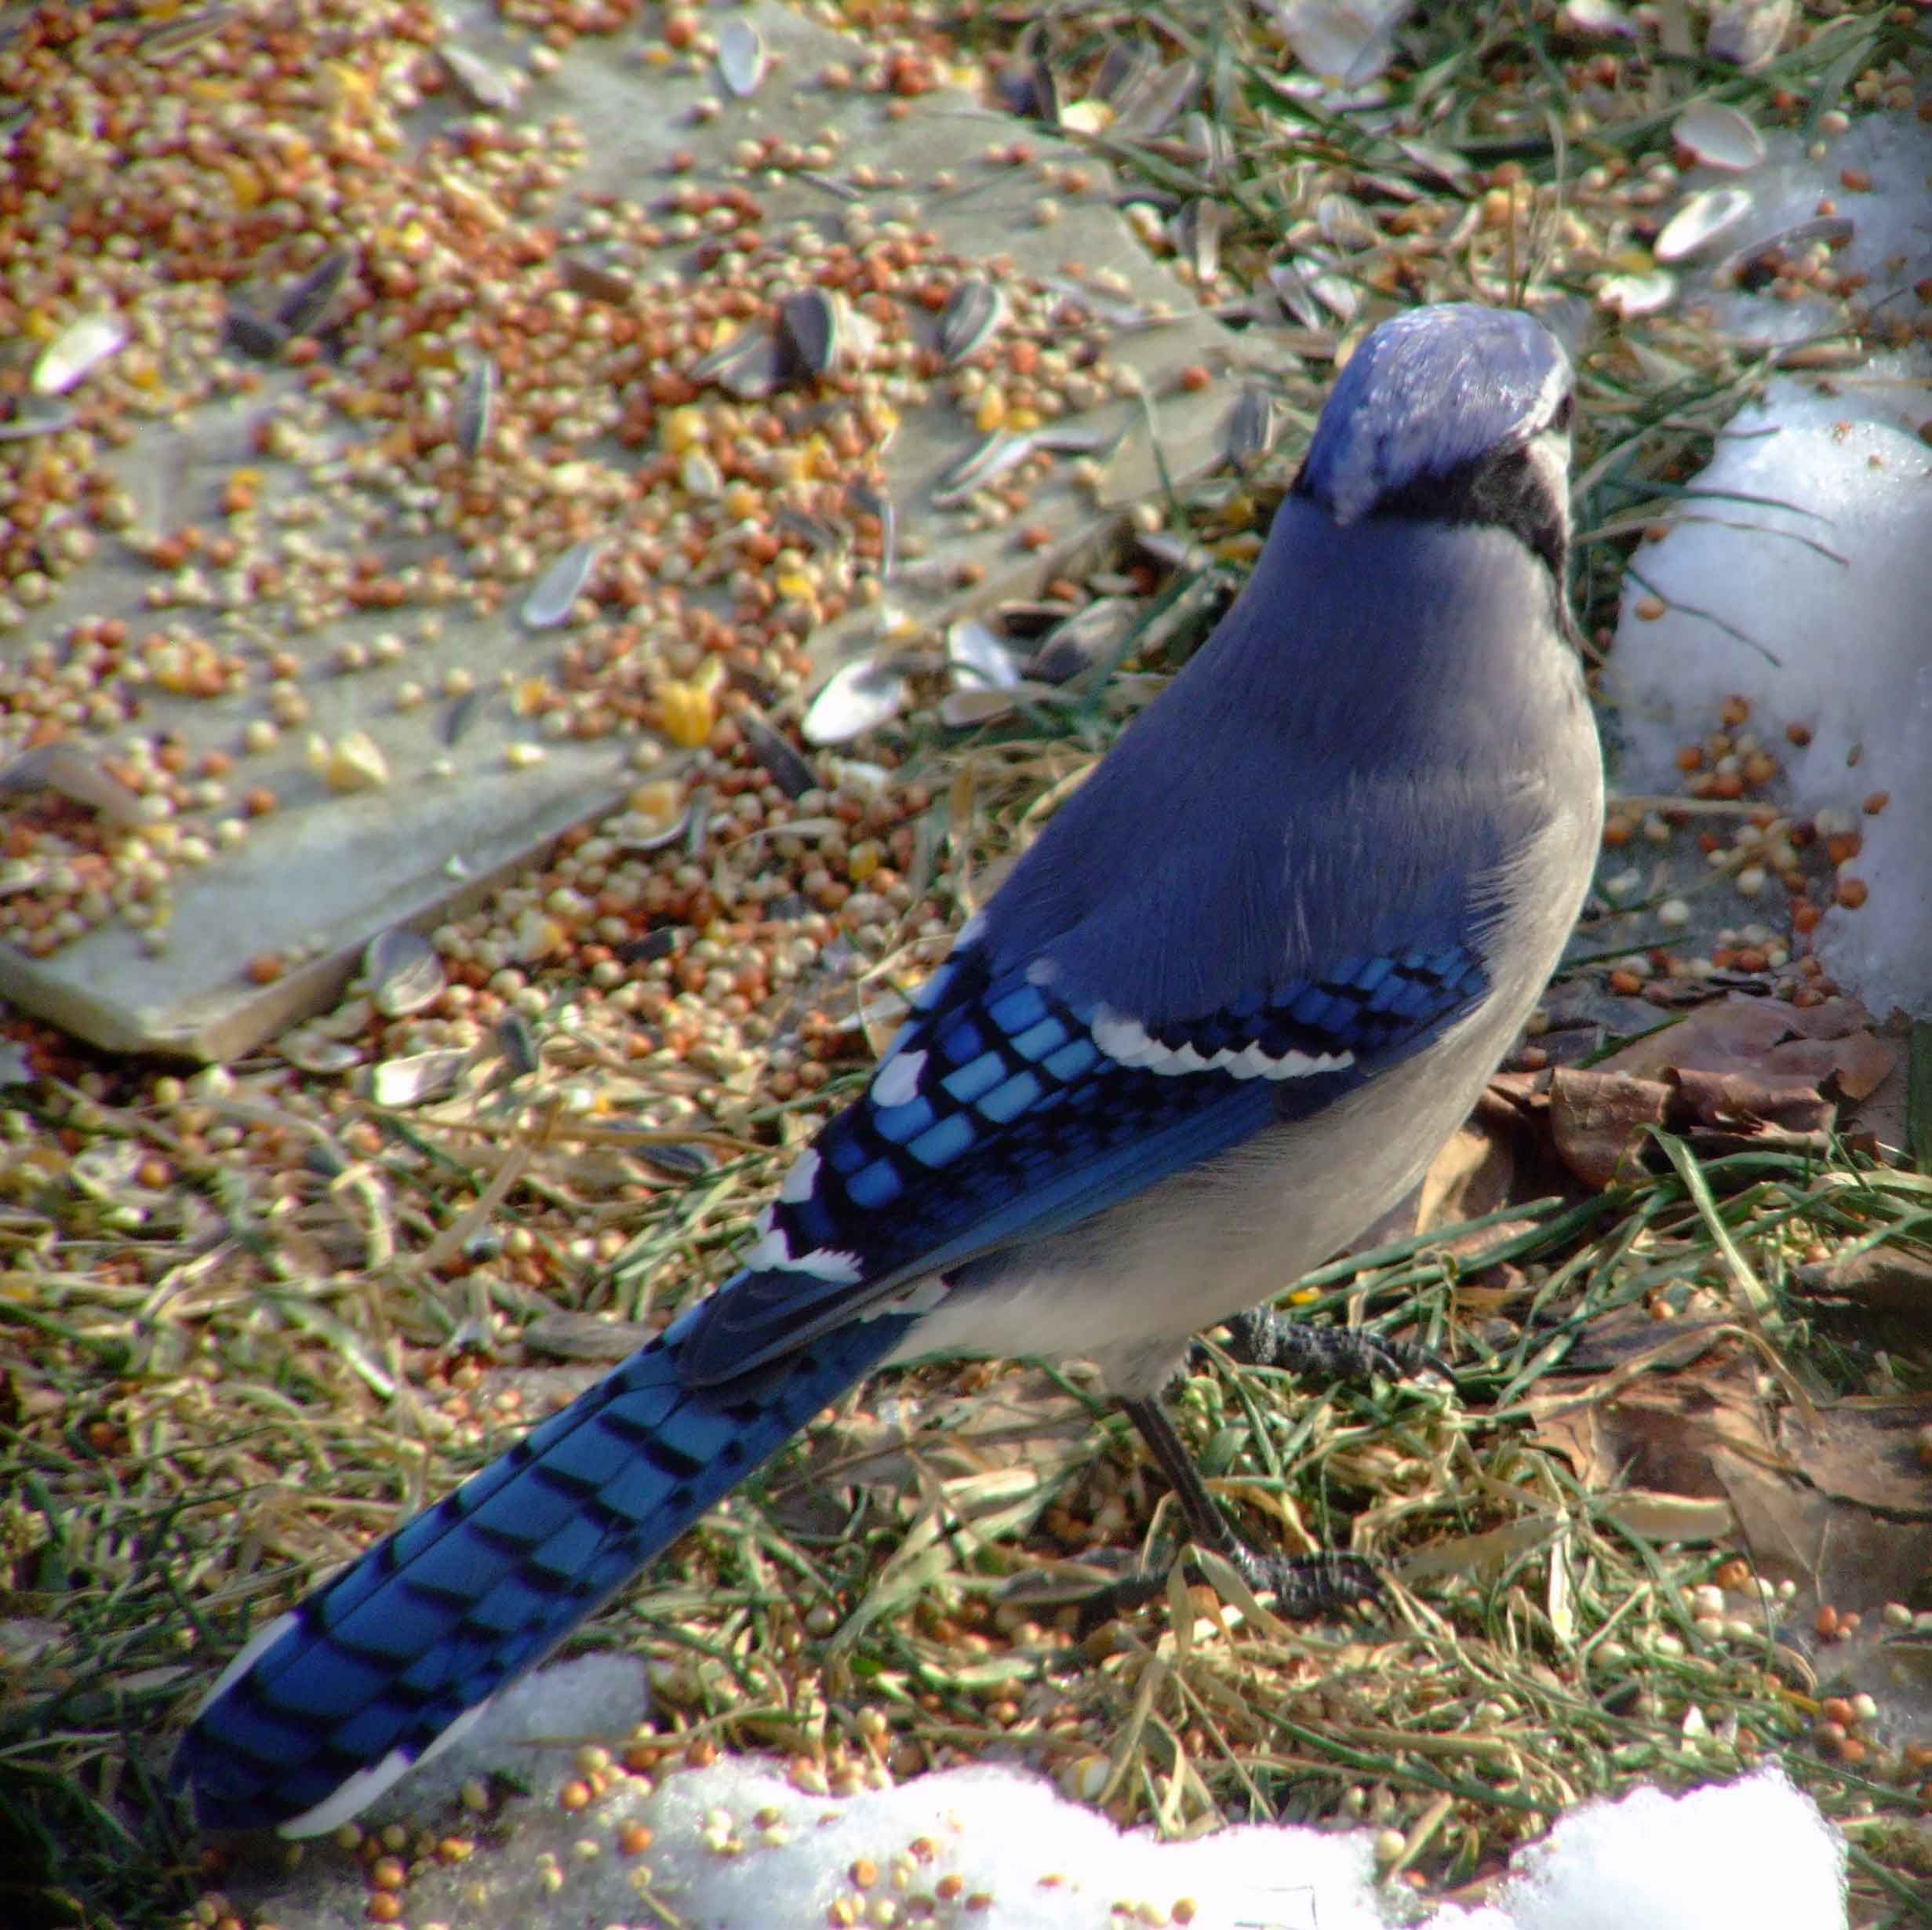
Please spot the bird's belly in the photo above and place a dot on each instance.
(1128, 1287)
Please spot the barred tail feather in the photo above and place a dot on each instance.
(387, 1662)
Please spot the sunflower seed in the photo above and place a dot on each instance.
(1045, 89)
(1749, 32)
(1128, 66)
(977, 657)
(1447, 166)
(176, 37)
(698, 822)
(812, 328)
(254, 335)
(751, 366)
(1027, 85)
(81, 346)
(1156, 98)
(405, 972)
(1702, 219)
(1296, 298)
(858, 697)
(871, 502)
(1070, 438)
(554, 593)
(741, 58)
(1171, 551)
(1090, 636)
(1344, 45)
(309, 1050)
(1197, 232)
(963, 710)
(814, 532)
(1629, 295)
(307, 304)
(1249, 429)
(1206, 139)
(1338, 295)
(1026, 622)
(974, 312)
(475, 408)
(1718, 136)
(463, 712)
(421, 1076)
(1001, 450)
(685, 1160)
(518, 1044)
(789, 771)
(484, 84)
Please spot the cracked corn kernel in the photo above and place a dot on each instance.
(687, 713)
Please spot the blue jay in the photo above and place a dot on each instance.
(1218, 1018)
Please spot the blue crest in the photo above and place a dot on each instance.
(1428, 392)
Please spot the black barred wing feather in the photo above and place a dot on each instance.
(1009, 1110)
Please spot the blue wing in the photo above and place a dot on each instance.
(1009, 1110)
(1278, 883)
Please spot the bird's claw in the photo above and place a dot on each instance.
(1263, 1338)
(1303, 1586)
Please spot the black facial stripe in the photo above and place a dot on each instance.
(1502, 489)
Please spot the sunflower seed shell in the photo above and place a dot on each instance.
(555, 592)
(741, 58)
(306, 306)
(405, 972)
(859, 698)
(79, 348)
(974, 313)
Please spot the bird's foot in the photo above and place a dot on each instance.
(1303, 1586)
(1261, 1336)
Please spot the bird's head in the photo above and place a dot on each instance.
(1453, 413)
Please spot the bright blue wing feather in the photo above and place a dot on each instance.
(1007, 1112)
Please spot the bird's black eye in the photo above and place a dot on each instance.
(1566, 412)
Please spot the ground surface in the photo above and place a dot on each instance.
(249, 1313)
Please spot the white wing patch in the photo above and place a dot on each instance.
(803, 1178)
(897, 1082)
(773, 1255)
(356, 1792)
(1127, 1041)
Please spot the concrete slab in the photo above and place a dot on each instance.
(344, 492)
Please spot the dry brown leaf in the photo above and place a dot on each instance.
(1599, 1119)
(1843, 1509)
(1661, 1432)
(1887, 1280)
(1471, 1175)
(1767, 1039)
(1866, 1450)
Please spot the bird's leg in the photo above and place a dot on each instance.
(1262, 1337)
(1302, 1585)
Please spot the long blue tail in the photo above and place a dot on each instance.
(325, 1709)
